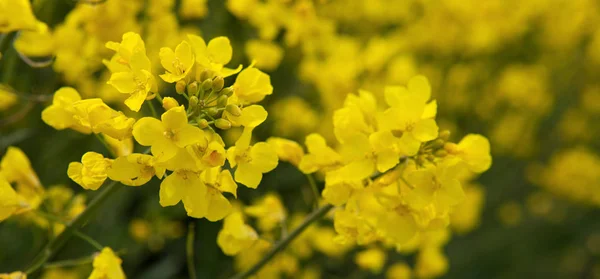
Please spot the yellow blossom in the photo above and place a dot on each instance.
(178, 63)
(7, 98)
(269, 211)
(119, 147)
(251, 86)
(474, 150)
(398, 271)
(217, 182)
(213, 56)
(91, 172)
(107, 265)
(267, 55)
(235, 236)
(186, 186)
(251, 160)
(134, 169)
(166, 137)
(319, 155)
(190, 9)
(13, 275)
(287, 150)
(372, 259)
(17, 15)
(9, 200)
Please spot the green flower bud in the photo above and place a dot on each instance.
(444, 135)
(202, 123)
(222, 124)
(193, 101)
(438, 143)
(441, 153)
(180, 87)
(212, 111)
(233, 109)
(207, 85)
(218, 83)
(222, 101)
(205, 74)
(192, 89)
(227, 91)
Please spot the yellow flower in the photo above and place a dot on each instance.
(251, 116)
(372, 259)
(191, 9)
(107, 265)
(16, 274)
(319, 155)
(119, 147)
(437, 184)
(251, 161)
(267, 55)
(9, 200)
(16, 169)
(235, 236)
(251, 86)
(178, 64)
(7, 98)
(60, 114)
(409, 116)
(269, 210)
(213, 56)
(287, 150)
(186, 186)
(134, 169)
(217, 206)
(474, 150)
(17, 15)
(166, 137)
(398, 226)
(90, 115)
(398, 271)
(35, 43)
(136, 80)
(431, 263)
(91, 172)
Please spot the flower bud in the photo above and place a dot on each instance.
(441, 153)
(218, 83)
(233, 109)
(169, 103)
(444, 135)
(202, 123)
(227, 91)
(212, 111)
(193, 88)
(193, 101)
(207, 85)
(222, 101)
(205, 74)
(180, 87)
(222, 124)
(438, 143)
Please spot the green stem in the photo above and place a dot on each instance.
(112, 153)
(190, 250)
(315, 190)
(69, 263)
(152, 110)
(89, 240)
(54, 245)
(314, 216)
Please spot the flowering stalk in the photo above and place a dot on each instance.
(316, 215)
(55, 244)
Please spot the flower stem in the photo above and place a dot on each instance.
(110, 151)
(88, 239)
(55, 244)
(314, 189)
(190, 250)
(314, 216)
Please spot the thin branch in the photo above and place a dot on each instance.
(88, 239)
(314, 189)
